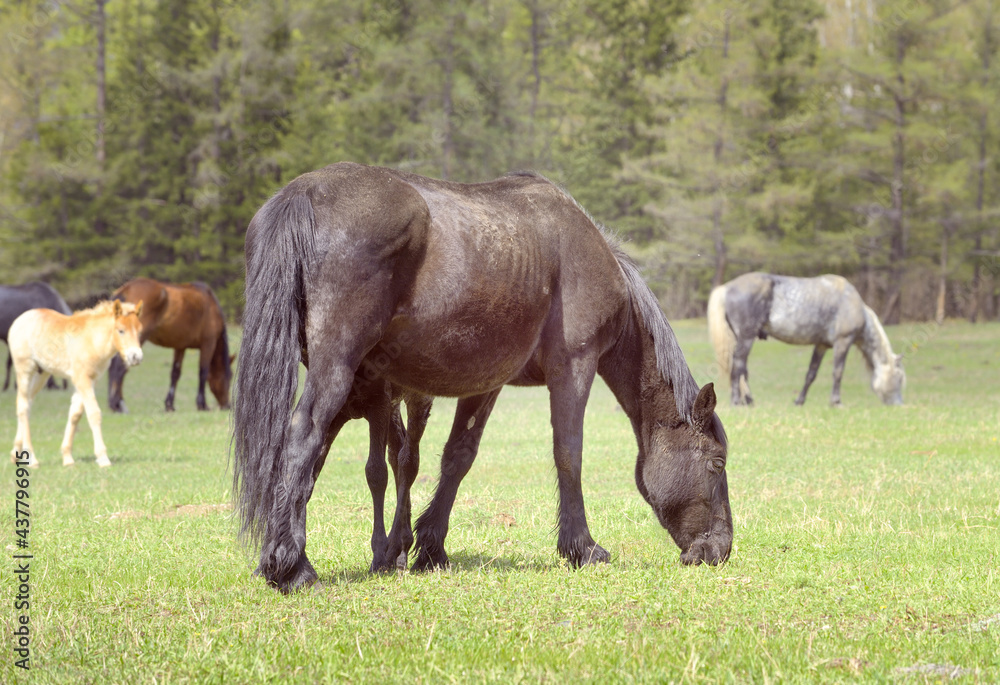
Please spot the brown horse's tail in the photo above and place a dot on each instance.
(280, 246)
(721, 334)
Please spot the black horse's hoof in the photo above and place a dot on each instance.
(381, 566)
(301, 576)
(401, 561)
(426, 561)
(595, 554)
(585, 555)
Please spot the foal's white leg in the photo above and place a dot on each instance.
(86, 389)
(28, 384)
(75, 412)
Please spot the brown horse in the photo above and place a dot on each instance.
(181, 316)
(78, 347)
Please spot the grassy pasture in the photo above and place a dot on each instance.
(867, 544)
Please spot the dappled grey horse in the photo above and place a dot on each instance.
(825, 311)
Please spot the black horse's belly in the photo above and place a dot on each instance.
(456, 356)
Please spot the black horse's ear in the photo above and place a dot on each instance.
(704, 406)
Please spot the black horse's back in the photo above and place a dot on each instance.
(17, 299)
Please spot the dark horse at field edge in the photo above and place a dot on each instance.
(825, 311)
(17, 299)
(180, 316)
(448, 289)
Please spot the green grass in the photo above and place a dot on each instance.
(866, 545)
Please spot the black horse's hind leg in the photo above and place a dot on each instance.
(739, 382)
(814, 363)
(378, 412)
(840, 349)
(175, 375)
(459, 453)
(6, 381)
(283, 561)
(568, 400)
(406, 467)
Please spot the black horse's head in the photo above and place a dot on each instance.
(682, 474)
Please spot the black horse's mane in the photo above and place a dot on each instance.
(669, 357)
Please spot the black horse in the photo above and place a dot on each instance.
(448, 289)
(17, 299)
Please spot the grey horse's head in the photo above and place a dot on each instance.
(888, 380)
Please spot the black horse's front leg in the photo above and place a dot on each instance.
(406, 467)
(459, 453)
(568, 400)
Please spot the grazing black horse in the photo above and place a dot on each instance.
(825, 311)
(448, 289)
(17, 299)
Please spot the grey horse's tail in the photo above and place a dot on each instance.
(722, 336)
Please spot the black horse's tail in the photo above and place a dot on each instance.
(280, 246)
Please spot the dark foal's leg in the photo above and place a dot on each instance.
(406, 467)
(116, 383)
(840, 350)
(459, 453)
(568, 400)
(814, 363)
(283, 560)
(175, 375)
(739, 376)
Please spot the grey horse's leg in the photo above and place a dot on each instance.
(817, 359)
(840, 349)
(739, 377)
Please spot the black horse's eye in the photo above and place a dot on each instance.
(717, 464)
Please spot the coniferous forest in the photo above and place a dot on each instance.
(859, 137)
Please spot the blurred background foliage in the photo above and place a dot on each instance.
(138, 137)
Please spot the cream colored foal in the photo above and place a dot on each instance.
(44, 342)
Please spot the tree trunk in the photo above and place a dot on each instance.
(447, 106)
(943, 280)
(897, 219)
(100, 20)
